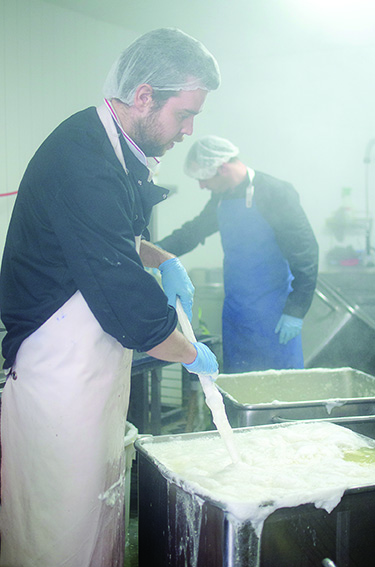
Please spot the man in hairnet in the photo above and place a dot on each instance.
(76, 300)
(270, 256)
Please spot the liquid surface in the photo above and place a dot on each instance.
(297, 385)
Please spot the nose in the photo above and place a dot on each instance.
(188, 126)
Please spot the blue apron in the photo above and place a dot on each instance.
(257, 282)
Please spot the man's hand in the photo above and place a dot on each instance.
(205, 362)
(176, 282)
(288, 327)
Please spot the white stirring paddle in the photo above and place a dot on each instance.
(214, 399)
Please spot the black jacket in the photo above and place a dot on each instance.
(73, 228)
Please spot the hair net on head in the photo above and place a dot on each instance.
(207, 154)
(167, 59)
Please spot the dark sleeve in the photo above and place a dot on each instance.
(280, 205)
(92, 213)
(194, 232)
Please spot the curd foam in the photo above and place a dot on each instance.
(279, 466)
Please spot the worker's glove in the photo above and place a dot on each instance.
(289, 327)
(176, 282)
(205, 362)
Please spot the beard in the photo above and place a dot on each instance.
(148, 135)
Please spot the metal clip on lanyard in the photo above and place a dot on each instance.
(249, 195)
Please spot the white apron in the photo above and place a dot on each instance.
(63, 424)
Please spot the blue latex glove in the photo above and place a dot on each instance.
(176, 282)
(289, 327)
(205, 362)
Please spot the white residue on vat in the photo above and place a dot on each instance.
(330, 404)
(186, 518)
(280, 466)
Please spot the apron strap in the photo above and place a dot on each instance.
(107, 121)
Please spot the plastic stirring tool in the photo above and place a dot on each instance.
(214, 399)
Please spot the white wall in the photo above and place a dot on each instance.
(52, 63)
(297, 95)
(298, 99)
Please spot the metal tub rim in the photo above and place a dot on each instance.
(283, 404)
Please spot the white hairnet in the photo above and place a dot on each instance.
(207, 154)
(167, 59)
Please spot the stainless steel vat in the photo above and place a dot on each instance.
(257, 398)
(180, 528)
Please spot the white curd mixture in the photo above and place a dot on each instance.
(280, 466)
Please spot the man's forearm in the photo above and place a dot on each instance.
(175, 348)
(152, 256)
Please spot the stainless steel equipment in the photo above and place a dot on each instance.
(188, 529)
(257, 398)
(337, 332)
(357, 284)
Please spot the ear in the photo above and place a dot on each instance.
(143, 97)
(224, 168)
